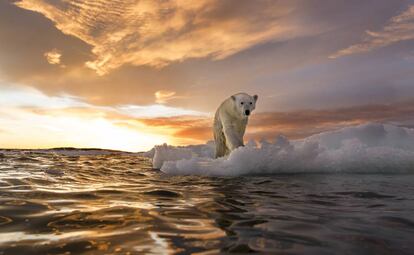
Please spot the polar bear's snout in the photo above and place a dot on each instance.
(247, 112)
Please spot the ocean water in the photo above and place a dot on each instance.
(52, 203)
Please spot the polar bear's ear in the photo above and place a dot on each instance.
(233, 97)
(255, 97)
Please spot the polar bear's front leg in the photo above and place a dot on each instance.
(233, 140)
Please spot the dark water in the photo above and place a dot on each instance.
(106, 204)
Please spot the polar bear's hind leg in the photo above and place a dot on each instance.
(220, 140)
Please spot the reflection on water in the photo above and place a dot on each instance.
(53, 204)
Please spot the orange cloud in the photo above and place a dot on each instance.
(156, 33)
(162, 96)
(184, 129)
(295, 125)
(53, 57)
(400, 28)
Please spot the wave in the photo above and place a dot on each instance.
(368, 148)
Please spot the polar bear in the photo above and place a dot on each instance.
(230, 122)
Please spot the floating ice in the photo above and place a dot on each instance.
(167, 153)
(369, 148)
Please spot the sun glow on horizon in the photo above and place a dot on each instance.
(33, 120)
(42, 131)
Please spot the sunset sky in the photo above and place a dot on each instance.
(129, 74)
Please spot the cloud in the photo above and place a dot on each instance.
(28, 97)
(185, 129)
(162, 96)
(400, 28)
(53, 56)
(154, 111)
(294, 124)
(297, 71)
(157, 33)
(23, 96)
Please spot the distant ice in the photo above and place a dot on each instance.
(68, 152)
(78, 152)
(369, 148)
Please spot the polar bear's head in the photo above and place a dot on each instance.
(244, 104)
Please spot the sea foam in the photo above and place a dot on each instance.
(369, 148)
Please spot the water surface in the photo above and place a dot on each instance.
(91, 204)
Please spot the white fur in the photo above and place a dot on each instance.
(230, 122)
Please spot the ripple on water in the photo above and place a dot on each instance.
(54, 171)
(4, 220)
(397, 222)
(21, 207)
(364, 194)
(162, 193)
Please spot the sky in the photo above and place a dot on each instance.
(130, 74)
